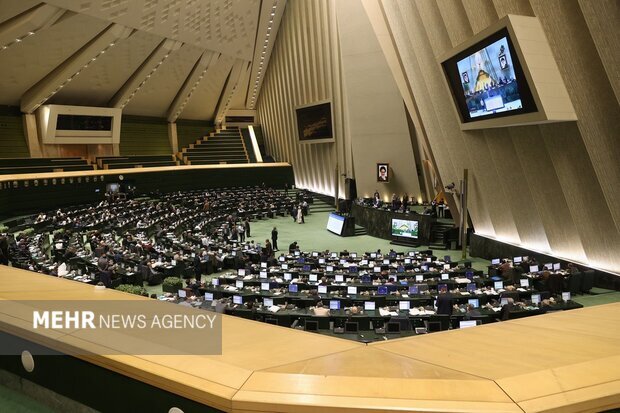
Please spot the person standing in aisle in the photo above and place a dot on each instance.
(274, 238)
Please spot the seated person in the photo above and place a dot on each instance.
(504, 313)
(320, 310)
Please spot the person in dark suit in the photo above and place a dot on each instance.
(246, 224)
(292, 247)
(197, 269)
(504, 313)
(444, 302)
(274, 238)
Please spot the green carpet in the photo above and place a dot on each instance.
(16, 402)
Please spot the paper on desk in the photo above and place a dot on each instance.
(274, 308)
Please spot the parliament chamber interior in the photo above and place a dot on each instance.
(309, 206)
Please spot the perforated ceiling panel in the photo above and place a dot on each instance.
(227, 26)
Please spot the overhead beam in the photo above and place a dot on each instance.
(229, 89)
(143, 73)
(200, 70)
(27, 24)
(73, 66)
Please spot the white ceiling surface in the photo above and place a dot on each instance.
(225, 26)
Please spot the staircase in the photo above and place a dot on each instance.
(439, 236)
(220, 147)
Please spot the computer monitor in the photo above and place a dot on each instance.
(267, 302)
(467, 323)
(535, 299)
(301, 260)
(419, 278)
(495, 261)
(353, 269)
(469, 274)
(504, 301)
(447, 258)
(424, 267)
(351, 327)
(373, 255)
(382, 290)
(366, 278)
(339, 278)
(376, 269)
(293, 288)
(329, 268)
(407, 260)
(404, 305)
(411, 253)
(557, 266)
(264, 286)
(400, 269)
(315, 254)
(297, 253)
(474, 302)
(288, 276)
(239, 284)
(392, 327)
(566, 296)
(310, 325)
(471, 287)
(364, 262)
(281, 259)
(369, 305)
(533, 268)
(445, 276)
(498, 285)
(215, 281)
(386, 262)
(182, 293)
(284, 266)
(241, 272)
(442, 286)
(208, 296)
(352, 290)
(334, 305)
(525, 283)
(549, 266)
(413, 290)
(237, 299)
(517, 260)
(305, 268)
(353, 254)
(262, 274)
(322, 289)
(313, 278)
(321, 260)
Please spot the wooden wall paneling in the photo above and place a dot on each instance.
(516, 192)
(520, 7)
(590, 90)
(547, 195)
(602, 18)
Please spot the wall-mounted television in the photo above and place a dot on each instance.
(506, 75)
(314, 122)
(405, 228)
(487, 80)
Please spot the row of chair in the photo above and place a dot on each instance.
(135, 161)
(9, 166)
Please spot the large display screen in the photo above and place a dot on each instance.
(314, 123)
(487, 80)
(404, 228)
(335, 223)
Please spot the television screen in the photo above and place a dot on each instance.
(471, 287)
(241, 272)
(268, 302)
(292, 288)
(566, 296)
(535, 299)
(369, 305)
(264, 286)
(262, 274)
(557, 266)
(498, 285)
(404, 305)
(339, 278)
(413, 290)
(352, 290)
(334, 305)
(524, 282)
(495, 261)
(404, 228)
(237, 299)
(322, 289)
(474, 302)
(487, 80)
(313, 277)
(382, 290)
(208, 296)
(517, 260)
(314, 123)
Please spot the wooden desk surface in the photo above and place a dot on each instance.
(566, 361)
(125, 171)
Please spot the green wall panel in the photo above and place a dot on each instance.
(144, 136)
(189, 131)
(12, 138)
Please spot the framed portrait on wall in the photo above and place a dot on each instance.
(383, 172)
